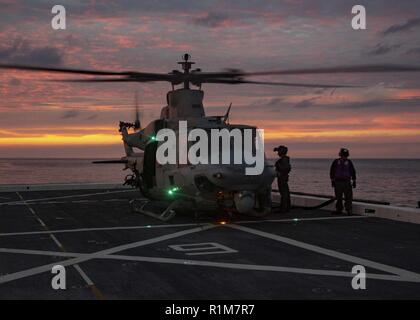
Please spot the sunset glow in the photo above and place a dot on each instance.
(51, 140)
(375, 120)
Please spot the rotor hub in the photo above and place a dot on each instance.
(186, 66)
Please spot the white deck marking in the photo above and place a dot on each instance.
(64, 197)
(339, 255)
(397, 273)
(58, 243)
(40, 221)
(42, 252)
(73, 261)
(169, 226)
(151, 226)
(302, 219)
(195, 249)
(239, 266)
(83, 275)
(62, 202)
(50, 202)
(258, 267)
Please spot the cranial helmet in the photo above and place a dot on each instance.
(344, 152)
(281, 149)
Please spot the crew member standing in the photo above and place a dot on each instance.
(283, 168)
(342, 172)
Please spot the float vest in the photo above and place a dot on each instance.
(343, 170)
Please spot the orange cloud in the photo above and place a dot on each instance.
(271, 134)
(63, 140)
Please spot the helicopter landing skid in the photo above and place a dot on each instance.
(167, 214)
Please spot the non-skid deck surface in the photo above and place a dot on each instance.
(111, 253)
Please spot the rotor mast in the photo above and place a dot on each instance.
(186, 66)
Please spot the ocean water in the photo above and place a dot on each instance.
(392, 180)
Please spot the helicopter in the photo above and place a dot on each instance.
(199, 187)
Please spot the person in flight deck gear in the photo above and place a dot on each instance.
(283, 169)
(341, 173)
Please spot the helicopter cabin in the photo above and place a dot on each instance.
(183, 103)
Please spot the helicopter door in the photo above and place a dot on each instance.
(149, 164)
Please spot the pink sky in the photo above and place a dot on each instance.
(48, 119)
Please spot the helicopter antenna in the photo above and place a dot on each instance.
(226, 116)
(137, 124)
(186, 66)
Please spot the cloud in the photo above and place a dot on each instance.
(391, 104)
(414, 51)
(92, 117)
(306, 103)
(363, 104)
(272, 104)
(22, 52)
(381, 49)
(15, 82)
(264, 103)
(70, 114)
(211, 20)
(406, 26)
(267, 35)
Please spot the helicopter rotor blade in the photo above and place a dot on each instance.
(144, 75)
(228, 76)
(63, 70)
(104, 80)
(137, 124)
(303, 85)
(374, 68)
(230, 73)
(237, 73)
(285, 84)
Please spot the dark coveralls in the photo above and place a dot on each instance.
(283, 169)
(341, 173)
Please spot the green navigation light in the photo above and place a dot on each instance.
(172, 190)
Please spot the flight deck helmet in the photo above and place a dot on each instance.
(282, 150)
(344, 152)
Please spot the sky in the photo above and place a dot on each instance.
(41, 118)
